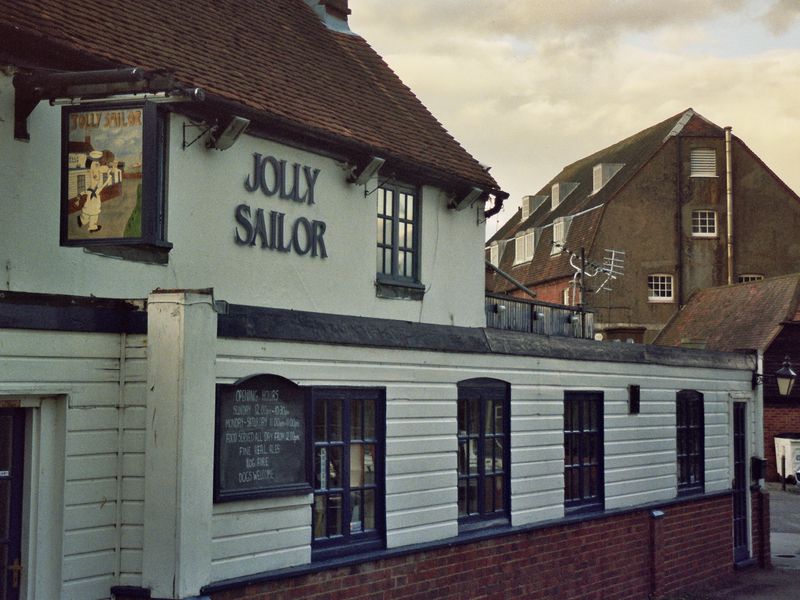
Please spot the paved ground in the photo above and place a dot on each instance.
(782, 582)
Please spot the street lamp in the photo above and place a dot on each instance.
(784, 377)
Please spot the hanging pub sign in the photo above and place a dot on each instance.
(260, 439)
(112, 175)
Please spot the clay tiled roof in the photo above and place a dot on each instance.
(585, 207)
(737, 317)
(275, 58)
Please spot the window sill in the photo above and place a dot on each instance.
(482, 525)
(705, 236)
(661, 300)
(694, 490)
(394, 289)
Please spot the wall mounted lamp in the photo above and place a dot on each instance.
(363, 176)
(784, 377)
(225, 134)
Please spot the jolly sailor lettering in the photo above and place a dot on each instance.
(271, 230)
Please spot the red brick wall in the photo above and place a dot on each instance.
(604, 558)
(761, 519)
(778, 418)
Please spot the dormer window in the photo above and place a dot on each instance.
(523, 248)
(602, 174)
(494, 254)
(560, 228)
(559, 192)
(526, 207)
(703, 162)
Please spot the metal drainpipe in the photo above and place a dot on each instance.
(729, 197)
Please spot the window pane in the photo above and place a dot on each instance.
(369, 420)
(389, 202)
(498, 493)
(462, 497)
(356, 514)
(463, 462)
(401, 205)
(369, 509)
(369, 464)
(473, 496)
(334, 419)
(498, 416)
(401, 235)
(410, 208)
(334, 467)
(498, 454)
(320, 466)
(334, 515)
(488, 418)
(488, 456)
(356, 414)
(319, 517)
(473, 456)
(401, 263)
(474, 416)
(319, 421)
(356, 465)
(488, 494)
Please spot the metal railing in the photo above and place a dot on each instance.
(544, 318)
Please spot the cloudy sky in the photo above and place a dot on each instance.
(529, 86)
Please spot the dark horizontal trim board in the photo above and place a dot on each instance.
(467, 538)
(50, 312)
(278, 324)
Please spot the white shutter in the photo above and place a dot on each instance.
(703, 162)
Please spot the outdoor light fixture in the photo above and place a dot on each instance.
(784, 378)
(374, 165)
(467, 200)
(225, 134)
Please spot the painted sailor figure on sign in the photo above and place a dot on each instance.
(97, 180)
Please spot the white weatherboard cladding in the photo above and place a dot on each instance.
(205, 186)
(100, 380)
(421, 392)
(96, 382)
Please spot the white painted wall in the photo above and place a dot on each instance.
(98, 382)
(204, 188)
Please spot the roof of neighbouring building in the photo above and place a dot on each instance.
(583, 208)
(735, 317)
(276, 59)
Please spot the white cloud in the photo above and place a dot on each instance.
(531, 86)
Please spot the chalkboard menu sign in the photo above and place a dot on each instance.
(261, 435)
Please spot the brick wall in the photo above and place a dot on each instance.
(778, 418)
(621, 557)
(761, 521)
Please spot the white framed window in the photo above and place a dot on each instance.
(523, 248)
(745, 278)
(494, 254)
(565, 296)
(704, 223)
(659, 288)
(559, 235)
(703, 162)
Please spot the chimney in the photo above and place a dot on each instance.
(336, 8)
(333, 13)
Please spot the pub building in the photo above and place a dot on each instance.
(244, 352)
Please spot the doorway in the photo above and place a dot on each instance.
(741, 541)
(12, 451)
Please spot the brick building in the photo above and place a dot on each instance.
(686, 201)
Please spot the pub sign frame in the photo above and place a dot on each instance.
(113, 182)
(261, 439)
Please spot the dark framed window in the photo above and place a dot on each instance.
(583, 451)
(349, 434)
(398, 232)
(484, 453)
(690, 431)
(113, 184)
